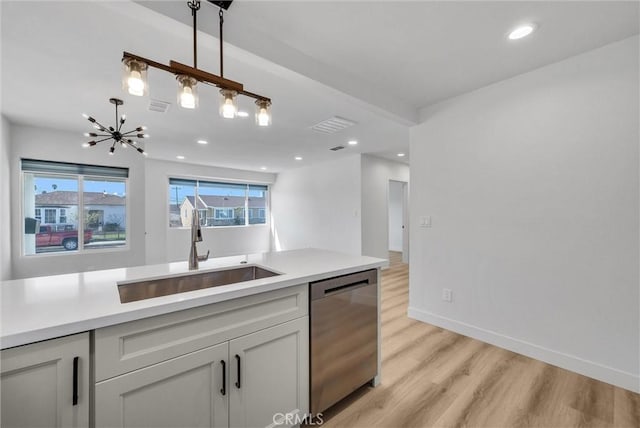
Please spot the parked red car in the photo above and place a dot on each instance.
(68, 238)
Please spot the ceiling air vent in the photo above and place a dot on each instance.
(333, 125)
(159, 106)
(336, 148)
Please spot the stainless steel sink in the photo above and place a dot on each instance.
(133, 291)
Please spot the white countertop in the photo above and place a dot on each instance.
(46, 307)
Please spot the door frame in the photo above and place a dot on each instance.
(405, 217)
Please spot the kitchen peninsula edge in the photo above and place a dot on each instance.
(41, 308)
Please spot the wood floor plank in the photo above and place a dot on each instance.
(433, 377)
(626, 411)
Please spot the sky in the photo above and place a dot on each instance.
(176, 193)
(47, 184)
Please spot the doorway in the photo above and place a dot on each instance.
(398, 218)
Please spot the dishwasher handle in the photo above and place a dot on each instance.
(341, 284)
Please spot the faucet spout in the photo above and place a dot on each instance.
(196, 236)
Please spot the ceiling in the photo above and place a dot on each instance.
(405, 55)
(55, 69)
(375, 63)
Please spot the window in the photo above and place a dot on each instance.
(218, 204)
(256, 215)
(51, 194)
(50, 215)
(223, 213)
(257, 203)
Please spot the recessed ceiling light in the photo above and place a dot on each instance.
(203, 142)
(180, 157)
(400, 154)
(242, 114)
(521, 31)
(353, 142)
(298, 158)
(264, 168)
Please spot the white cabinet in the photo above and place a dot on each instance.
(265, 377)
(186, 391)
(167, 371)
(270, 376)
(46, 384)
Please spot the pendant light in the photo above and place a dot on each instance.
(134, 77)
(187, 91)
(263, 115)
(228, 108)
(115, 134)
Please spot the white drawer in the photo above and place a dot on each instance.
(125, 347)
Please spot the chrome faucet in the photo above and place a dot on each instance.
(196, 236)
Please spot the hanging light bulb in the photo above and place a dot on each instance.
(187, 91)
(228, 108)
(263, 115)
(134, 77)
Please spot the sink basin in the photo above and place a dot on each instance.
(148, 289)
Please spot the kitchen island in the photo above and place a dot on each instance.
(134, 354)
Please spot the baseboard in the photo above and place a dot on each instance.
(572, 363)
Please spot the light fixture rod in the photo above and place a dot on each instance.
(204, 76)
(195, 6)
(220, 14)
(149, 62)
(255, 96)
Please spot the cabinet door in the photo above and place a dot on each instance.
(39, 381)
(186, 391)
(270, 376)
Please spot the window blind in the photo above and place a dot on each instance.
(258, 187)
(33, 165)
(182, 182)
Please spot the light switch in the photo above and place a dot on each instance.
(425, 221)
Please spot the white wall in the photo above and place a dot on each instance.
(151, 240)
(5, 201)
(532, 185)
(318, 206)
(376, 173)
(173, 244)
(395, 215)
(49, 144)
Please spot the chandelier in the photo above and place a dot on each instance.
(115, 133)
(135, 82)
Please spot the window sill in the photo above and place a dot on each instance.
(78, 253)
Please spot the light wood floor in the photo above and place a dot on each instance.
(432, 377)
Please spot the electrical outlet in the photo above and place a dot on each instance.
(447, 295)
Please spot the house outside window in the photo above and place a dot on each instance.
(52, 194)
(218, 203)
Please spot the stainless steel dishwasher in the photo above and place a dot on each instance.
(344, 336)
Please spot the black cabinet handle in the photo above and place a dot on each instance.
(223, 391)
(238, 361)
(75, 380)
